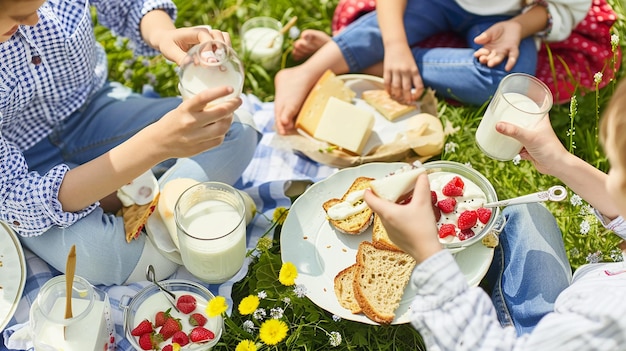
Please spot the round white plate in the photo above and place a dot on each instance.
(161, 238)
(319, 252)
(12, 273)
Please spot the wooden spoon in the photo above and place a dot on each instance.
(283, 30)
(70, 269)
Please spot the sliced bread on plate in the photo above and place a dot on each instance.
(344, 289)
(350, 214)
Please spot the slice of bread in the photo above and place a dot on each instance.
(383, 103)
(397, 185)
(344, 289)
(379, 281)
(379, 236)
(356, 223)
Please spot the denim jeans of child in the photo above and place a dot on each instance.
(530, 267)
(109, 118)
(452, 72)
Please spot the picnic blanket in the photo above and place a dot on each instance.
(272, 170)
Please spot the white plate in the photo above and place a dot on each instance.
(12, 273)
(157, 232)
(319, 252)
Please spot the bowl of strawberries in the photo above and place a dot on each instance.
(458, 193)
(151, 322)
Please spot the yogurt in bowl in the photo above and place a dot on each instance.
(458, 209)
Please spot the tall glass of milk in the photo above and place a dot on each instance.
(210, 220)
(262, 41)
(208, 65)
(521, 99)
(90, 328)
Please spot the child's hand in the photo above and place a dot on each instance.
(175, 43)
(500, 41)
(194, 127)
(401, 75)
(412, 227)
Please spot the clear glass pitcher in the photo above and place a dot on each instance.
(90, 328)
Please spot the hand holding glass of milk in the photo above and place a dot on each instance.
(209, 65)
(262, 41)
(521, 99)
(211, 223)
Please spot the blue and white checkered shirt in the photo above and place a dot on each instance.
(47, 72)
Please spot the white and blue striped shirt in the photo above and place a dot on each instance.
(588, 315)
(47, 72)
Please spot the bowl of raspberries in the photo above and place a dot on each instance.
(151, 322)
(458, 193)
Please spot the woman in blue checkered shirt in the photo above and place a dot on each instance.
(69, 138)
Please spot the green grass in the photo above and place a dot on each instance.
(575, 124)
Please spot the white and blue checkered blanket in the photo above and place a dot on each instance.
(270, 172)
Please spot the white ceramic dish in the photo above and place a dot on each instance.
(161, 238)
(319, 252)
(12, 273)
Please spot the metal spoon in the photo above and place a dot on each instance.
(170, 295)
(555, 193)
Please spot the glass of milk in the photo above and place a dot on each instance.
(521, 99)
(210, 220)
(208, 65)
(262, 41)
(90, 328)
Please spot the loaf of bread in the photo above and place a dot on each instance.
(380, 278)
(352, 201)
(383, 103)
(344, 289)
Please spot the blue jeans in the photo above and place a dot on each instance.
(110, 117)
(452, 72)
(530, 267)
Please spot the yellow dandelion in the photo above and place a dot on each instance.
(216, 306)
(273, 331)
(280, 213)
(175, 346)
(288, 273)
(246, 345)
(248, 304)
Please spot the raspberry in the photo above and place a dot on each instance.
(447, 205)
(433, 197)
(484, 214)
(437, 212)
(186, 304)
(447, 230)
(467, 219)
(454, 187)
(466, 234)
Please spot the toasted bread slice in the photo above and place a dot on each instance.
(383, 103)
(379, 281)
(380, 238)
(398, 185)
(344, 289)
(136, 216)
(355, 223)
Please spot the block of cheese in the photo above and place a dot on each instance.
(345, 125)
(328, 85)
(383, 103)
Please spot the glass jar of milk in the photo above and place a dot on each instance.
(90, 328)
(262, 41)
(210, 220)
(209, 65)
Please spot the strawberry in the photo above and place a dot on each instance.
(148, 341)
(447, 205)
(433, 197)
(467, 219)
(168, 347)
(201, 334)
(161, 317)
(171, 326)
(197, 320)
(145, 327)
(447, 230)
(186, 304)
(466, 234)
(454, 187)
(484, 214)
(181, 338)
